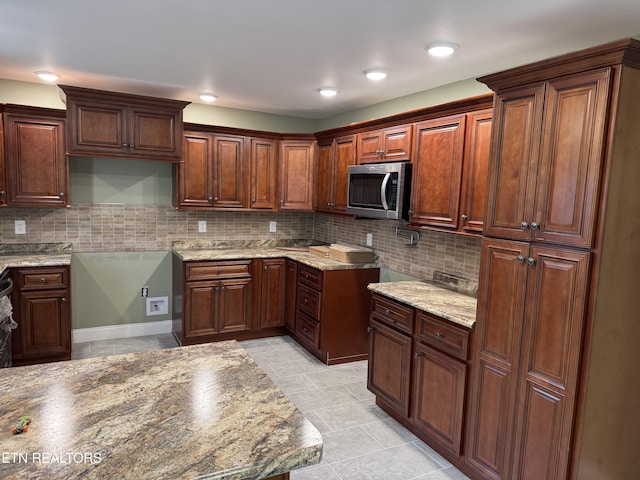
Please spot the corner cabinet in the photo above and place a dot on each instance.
(109, 124)
(36, 165)
(42, 309)
(297, 169)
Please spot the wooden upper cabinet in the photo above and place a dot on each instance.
(263, 173)
(36, 165)
(229, 172)
(546, 168)
(475, 169)
(108, 124)
(194, 173)
(297, 159)
(393, 143)
(332, 175)
(437, 171)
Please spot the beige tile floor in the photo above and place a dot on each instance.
(360, 440)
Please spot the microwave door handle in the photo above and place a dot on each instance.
(383, 191)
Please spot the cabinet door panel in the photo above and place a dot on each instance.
(501, 297)
(36, 163)
(438, 172)
(554, 325)
(229, 170)
(264, 169)
(438, 403)
(272, 293)
(3, 177)
(475, 170)
(296, 175)
(571, 159)
(369, 145)
(97, 129)
(397, 142)
(291, 299)
(235, 301)
(324, 178)
(194, 173)
(155, 132)
(513, 163)
(390, 366)
(44, 320)
(200, 308)
(345, 155)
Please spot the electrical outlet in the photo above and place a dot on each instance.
(369, 239)
(272, 226)
(21, 227)
(202, 226)
(144, 292)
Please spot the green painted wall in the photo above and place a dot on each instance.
(111, 180)
(105, 287)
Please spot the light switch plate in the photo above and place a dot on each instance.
(369, 239)
(272, 226)
(202, 226)
(21, 227)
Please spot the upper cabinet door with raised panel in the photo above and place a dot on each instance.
(155, 132)
(393, 143)
(437, 175)
(229, 172)
(296, 175)
(513, 164)
(345, 155)
(263, 162)
(325, 176)
(96, 128)
(37, 174)
(571, 159)
(3, 175)
(194, 172)
(475, 170)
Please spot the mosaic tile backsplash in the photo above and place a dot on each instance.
(117, 227)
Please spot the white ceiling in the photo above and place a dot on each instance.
(273, 55)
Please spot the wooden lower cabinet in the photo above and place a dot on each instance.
(332, 312)
(272, 292)
(418, 371)
(291, 285)
(42, 310)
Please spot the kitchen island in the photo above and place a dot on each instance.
(204, 411)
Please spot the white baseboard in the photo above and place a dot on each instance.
(111, 332)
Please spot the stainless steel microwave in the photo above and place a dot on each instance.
(380, 190)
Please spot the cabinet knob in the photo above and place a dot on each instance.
(211, 199)
(2, 192)
(439, 336)
(63, 300)
(43, 280)
(464, 218)
(531, 261)
(368, 329)
(524, 225)
(306, 300)
(222, 287)
(265, 267)
(387, 311)
(215, 199)
(61, 194)
(304, 329)
(416, 355)
(253, 200)
(520, 258)
(281, 202)
(535, 225)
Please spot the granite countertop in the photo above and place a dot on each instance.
(301, 255)
(445, 303)
(205, 411)
(34, 255)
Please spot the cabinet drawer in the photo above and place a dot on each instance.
(310, 276)
(307, 329)
(45, 278)
(393, 313)
(442, 335)
(214, 270)
(309, 301)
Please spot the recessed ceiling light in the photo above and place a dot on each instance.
(441, 49)
(375, 74)
(328, 91)
(208, 97)
(47, 76)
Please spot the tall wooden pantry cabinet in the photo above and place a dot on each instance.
(555, 380)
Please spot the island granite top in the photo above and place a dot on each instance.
(204, 411)
(442, 302)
